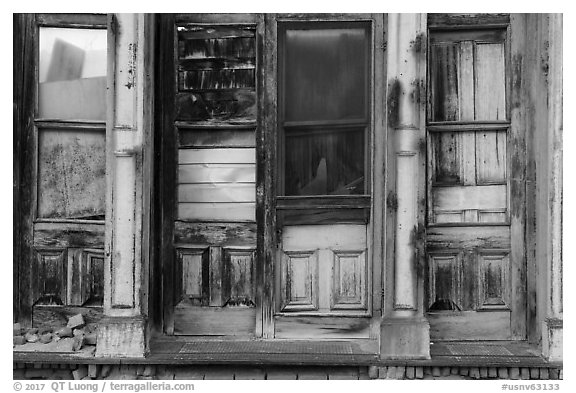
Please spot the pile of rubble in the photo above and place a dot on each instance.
(75, 336)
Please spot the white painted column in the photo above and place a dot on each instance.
(405, 331)
(128, 130)
(552, 332)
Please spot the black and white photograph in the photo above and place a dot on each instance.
(287, 196)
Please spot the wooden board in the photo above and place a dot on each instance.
(225, 212)
(217, 173)
(312, 237)
(321, 328)
(193, 320)
(469, 197)
(63, 235)
(217, 156)
(216, 138)
(224, 234)
(215, 193)
(490, 82)
(469, 325)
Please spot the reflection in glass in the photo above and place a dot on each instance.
(325, 74)
(325, 163)
(72, 74)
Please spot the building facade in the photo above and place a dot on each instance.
(364, 194)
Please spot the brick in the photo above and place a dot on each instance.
(419, 372)
(474, 372)
(93, 370)
(503, 373)
(62, 374)
(163, 372)
(410, 372)
(250, 374)
(400, 372)
(192, 373)
(76, 321)
(464, 371)
(492, 372)
(454, 370)
(382, 372)
(391, 372)
(373, 372)
(140, 369)
(78, 342)
(554, 373)
(524, 373)
(313, 374)
(80, 372)
(436, 371)
(90, 339)
(149, 370)
(37, 373)
(445, 371)
(544, 373)
(483, 372)
(78, 332)
(534, 373)
(105, 370)
(344, 373)
(281, 374)
(561, 374)
(32, 331)
(18, 373)
(219, 374)
(514, 373)
(363, 374)
(17, 329)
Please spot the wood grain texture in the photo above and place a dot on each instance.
(224, 234)
(49, 280)
(214, 321)
(469, 325)
(489, 82)
(217, 173)
(216, 138)
(219, 211)
(62, 235)
(217, 156)
(349, 286)
(299, 290)
(491, 157)
(335, 237)
(321, 328)
(444, 281)
(57, 316)
(470, 197)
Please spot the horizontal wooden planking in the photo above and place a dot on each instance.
(323, 216)
(469, 197)
(321, 327)
(479, 35)
(215, 193)
(334, 202)
(229, 212)
(63, 235)
(238, 105)
(216, 18)
(335, 237)
(473, 20)
(216, 173)
(216, 79)
(214, 321)
(217, 156)
(470, 325)
(215, 234)
(198, 32)
(237, 47)
(443, 238)
(217, 64)
(216, 138)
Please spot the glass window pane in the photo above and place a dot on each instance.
(325, 73)
(325, 162)
(72, 74)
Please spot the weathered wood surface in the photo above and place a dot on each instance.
(72, 20)
(335, 237)
(321, 328)
(225, 234)
(473, 20)
(63, 235)
(324, 216)
(233, 321)
(217, 212)
(469, 325)
(219, 138)
(49, 282)
(217, 156)
(236, 106)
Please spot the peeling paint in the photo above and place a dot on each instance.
(393, 107)
(392, 201)
(419, 43)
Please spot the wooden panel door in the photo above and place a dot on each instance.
(323, 269)
(474, 289)
(63, 155)
(208, 79)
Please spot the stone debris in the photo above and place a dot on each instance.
(31, 337)
(76, 321)
(64, 332)
(19, 340)
(76, 337)
(46, 338)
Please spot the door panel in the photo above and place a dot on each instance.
(469, 284)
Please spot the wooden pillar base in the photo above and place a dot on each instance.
(121, 337)
(405, 338)
(552, 339)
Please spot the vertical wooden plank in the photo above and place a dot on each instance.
(240, 285)
(469, 158)
(74, 291)
(447, 158)
(266, 134)
(216, 298)
(444, 82)
(466, 80)
(491, 157)
(490, 82)
(167, 170)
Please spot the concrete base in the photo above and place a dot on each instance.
(405, 338)
(552, 338)
(121, 337)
